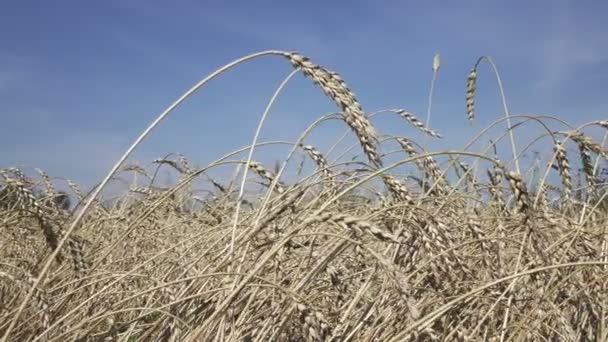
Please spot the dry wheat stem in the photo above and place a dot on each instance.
(463, 298)
(348, 251)
(115, 168)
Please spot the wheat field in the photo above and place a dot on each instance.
(467, 245)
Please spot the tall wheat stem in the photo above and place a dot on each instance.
(504, 106)
(114, 169)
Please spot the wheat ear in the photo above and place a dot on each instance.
(333, 86)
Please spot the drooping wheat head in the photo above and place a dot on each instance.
(564, 169)
(352, 112)
(267, 175)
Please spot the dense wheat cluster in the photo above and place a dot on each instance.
(463, 246)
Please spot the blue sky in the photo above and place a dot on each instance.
(79, 80)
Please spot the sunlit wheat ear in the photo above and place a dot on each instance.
(518, 186)
(76, 249)
(267, 175)
(468, 173)
(587, 162)
(397, 189)
(426, 164)
(137, 169)
(602, 123)
(495, 176)
(474, 226)
(13, 172)
(585, 147)
(48, 183)
(543, 199)
(355, 224)
(320, 160)
(75, 189)
(51, 232)
(288, 201)
(352, 113)
(436, 62)
(29, 202)
(591, 145)
(414, 121)
(52, 198)
(141, 190)
(171, 163)
(433, 170)
(470, 96)
(409, 148)
(564, 169)
(185, 164)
